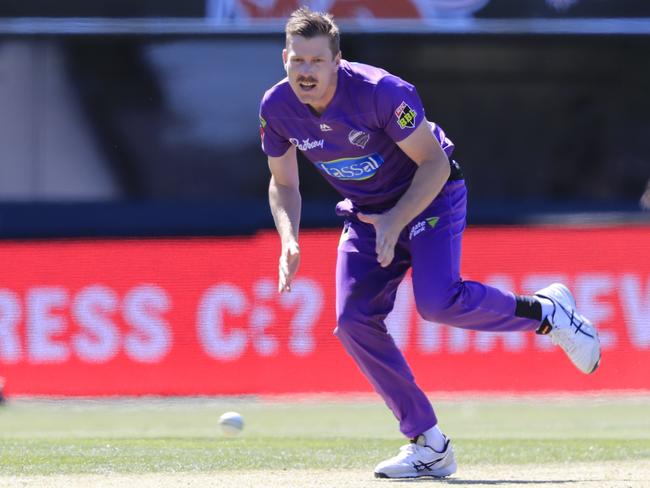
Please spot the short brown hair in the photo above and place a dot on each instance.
(307, 23)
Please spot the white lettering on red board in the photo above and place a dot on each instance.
(53, 324)
(216, 341)
(227, 342)
(59, 326)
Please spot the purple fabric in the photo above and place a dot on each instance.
(431, 245)
(353, 143)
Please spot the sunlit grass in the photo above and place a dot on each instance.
(137, 436)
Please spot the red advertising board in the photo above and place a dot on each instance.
(203, 316)
(341, 9)
(363, 10)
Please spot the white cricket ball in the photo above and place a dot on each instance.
(231, 424)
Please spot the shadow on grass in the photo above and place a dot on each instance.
(457, 481)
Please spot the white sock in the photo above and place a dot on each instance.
(435, 438)
(547, 306)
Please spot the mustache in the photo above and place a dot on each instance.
(308, 79)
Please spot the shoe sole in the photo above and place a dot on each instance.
(386, 477)
(443, 473)
(596, 365)
(597, 339)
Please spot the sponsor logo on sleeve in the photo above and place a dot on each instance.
(307, 144)
(262, 126)
(405, 116)
(358, 138)
(352, 169)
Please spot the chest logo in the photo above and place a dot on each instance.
(307, 144)
(325, 128)
(355, 169)
(358, 138)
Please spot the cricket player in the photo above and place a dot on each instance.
(367, 133)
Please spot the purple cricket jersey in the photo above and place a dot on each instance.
(353, 143)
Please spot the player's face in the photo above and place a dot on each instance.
(311, 68)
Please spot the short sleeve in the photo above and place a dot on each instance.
(399, 108)
(273, 144)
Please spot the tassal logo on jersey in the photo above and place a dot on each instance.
(307, 144)
(352, 168)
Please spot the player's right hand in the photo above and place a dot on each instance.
(289, 262)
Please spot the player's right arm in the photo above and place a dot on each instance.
(285, 202)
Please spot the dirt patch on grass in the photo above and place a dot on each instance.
(612, 474)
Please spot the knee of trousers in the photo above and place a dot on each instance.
(352, 325)
(346, 326)
(440, 306)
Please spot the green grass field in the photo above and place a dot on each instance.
(182, 435)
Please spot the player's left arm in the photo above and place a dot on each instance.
(423, 148)
(433, 171)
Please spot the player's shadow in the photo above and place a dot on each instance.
(457, 481)
(507, 482)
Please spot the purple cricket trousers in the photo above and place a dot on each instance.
(365, 294)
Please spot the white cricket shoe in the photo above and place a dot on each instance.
(418, 459)
(570, 330)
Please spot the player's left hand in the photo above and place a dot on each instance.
(387, 230)
(289, 262)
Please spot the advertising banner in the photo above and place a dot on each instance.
(361, 10)
(203, 316)
(228, 11)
